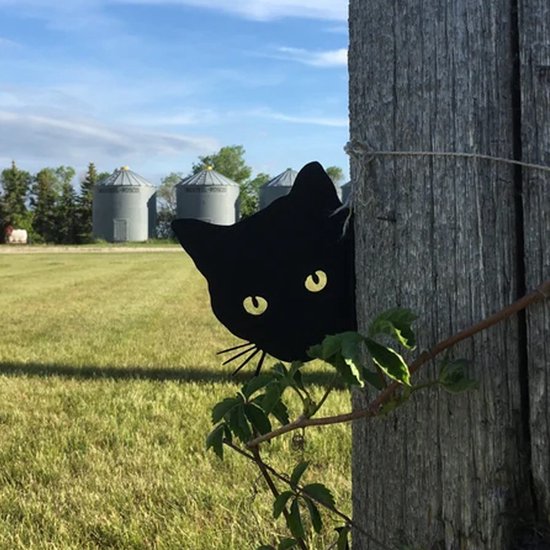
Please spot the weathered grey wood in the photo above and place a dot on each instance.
(534, 24)
(445, 471)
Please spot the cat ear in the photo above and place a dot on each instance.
(314, 188)
(202, 241)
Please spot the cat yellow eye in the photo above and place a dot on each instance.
(255, 305)
(316, 281)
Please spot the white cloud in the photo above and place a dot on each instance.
(337, 29)
(327, 58)
(263, 10)
(188, 117)
(77, 140)
(316, 120)
(334, 10)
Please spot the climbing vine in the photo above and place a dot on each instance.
(259, 413)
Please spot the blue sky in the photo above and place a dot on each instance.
(153, 84)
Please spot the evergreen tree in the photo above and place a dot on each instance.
(44, 199)
(15, 184)
(84, 204)
(67, 218)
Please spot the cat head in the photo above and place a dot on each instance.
(281, 279)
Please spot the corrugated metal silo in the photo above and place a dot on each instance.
(277, 187)
(124, 207)
(281, 185)
(208, 196)
(346, 190)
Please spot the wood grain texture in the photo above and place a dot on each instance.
(445, 471)
(534, 25)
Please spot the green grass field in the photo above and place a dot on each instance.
(108, 374)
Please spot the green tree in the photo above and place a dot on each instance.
(67, 215)
(250, 194)
(44, 197)
(15, 184)
(166, 201)
(335, 173)
(84, 204)
(229, 161)
(64, 174)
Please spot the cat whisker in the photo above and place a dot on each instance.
(240, 354)
(260, 363)
(236, 347)
(245, 362)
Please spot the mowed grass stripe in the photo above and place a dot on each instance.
(92, 458)
(99, 318)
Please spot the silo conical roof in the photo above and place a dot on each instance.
(208, 177)
(123, 176)
(286, 179)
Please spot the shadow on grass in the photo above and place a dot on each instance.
(176, 374)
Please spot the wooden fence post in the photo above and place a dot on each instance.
(454, 240)
(534, 44)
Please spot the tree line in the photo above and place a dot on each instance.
(47, 205)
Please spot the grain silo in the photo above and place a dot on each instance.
(208, 196)
(345, 190)
(277, 187)
(124, 207)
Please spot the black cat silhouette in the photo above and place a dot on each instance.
(283, 278)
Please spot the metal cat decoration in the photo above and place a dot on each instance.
(283, 278)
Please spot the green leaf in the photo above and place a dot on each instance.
(343, 352)
(373, 378)
(397, 324)
(239, 424)
(351, 343)
(342, 543)
(297, 378)
(294, 521)
(316, 520)
(227, 432)
(215, 440)
(452, 376)
(256, 383)
(298, 472)
(320, 493)
(268, 401)
(285, 544)
(329, 347)
(295, 366)
(266, 547)
(280, 503)
(391, 363)
(258, 418)
(279, 371)
(223, 407)
(280, 412)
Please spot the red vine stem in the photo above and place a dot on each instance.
(373, 409)
(264, 467)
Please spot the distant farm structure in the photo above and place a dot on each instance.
(15, 236)
(124, 207)
(277, 187)
(208, 196)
